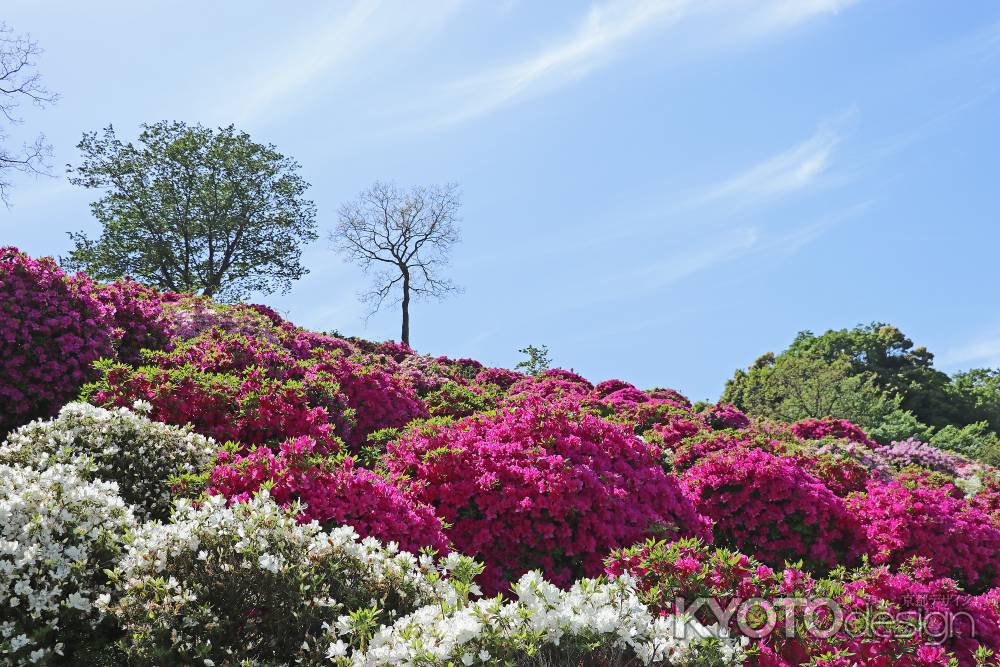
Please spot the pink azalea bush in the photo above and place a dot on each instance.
(818, 429)
(137, 316)
(333, 493)
(726, 415)
(52, 328)
(501, 377)
(541, 486)
(771, 506)
(959, 539)
(913, 452)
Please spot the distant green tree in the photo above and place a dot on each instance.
(897, 366)
(794, 386)
(978, 392)
(537, 361)
(190, 209)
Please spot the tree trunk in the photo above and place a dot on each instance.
(405, 336)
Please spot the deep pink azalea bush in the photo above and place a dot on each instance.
(602, 389)
(248, 407)
(334, 493)
(687, 571)
(137, 315)
(500, 377)
(52, 328)
(726, 415)
(670, 395)
(818, 429)
(541, 486)
(772, 507)
(959, 539)
(378, 400)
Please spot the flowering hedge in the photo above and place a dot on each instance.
(541, 487)
(143, 457)
(772, 507)
(58, 534)
(332, 493)
(52, 328)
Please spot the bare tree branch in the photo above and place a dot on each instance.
(19, 83)
(402, 239)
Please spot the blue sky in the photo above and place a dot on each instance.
(657, 190)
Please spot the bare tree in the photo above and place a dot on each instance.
(20, 82)
(402, 239)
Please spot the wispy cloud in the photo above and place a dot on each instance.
(985, 350)
(326, 48)
(787, 172)
(605, 32)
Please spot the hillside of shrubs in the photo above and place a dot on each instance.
(187, 482)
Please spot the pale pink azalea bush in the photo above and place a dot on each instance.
(542, 486)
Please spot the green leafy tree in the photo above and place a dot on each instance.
(537, 359)
(978, 390)
(791, 387)
(191, 209)
(895, 364)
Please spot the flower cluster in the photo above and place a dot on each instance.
(224, 584)
(913, 452)
(726, 415)
(594, 622)
(683, 575)
(143, 457)
(565, 486)
(331, 492)
(958, 538)
(52, 328)
(771, 506)
(58, 534)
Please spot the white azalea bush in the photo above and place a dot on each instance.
(59, 532)
(250, 585)
(141, 455)
(596, 621)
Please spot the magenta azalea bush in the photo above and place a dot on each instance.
(52, 328)
(771, 506)
(332, 493)
(542, 486)
(957, 538)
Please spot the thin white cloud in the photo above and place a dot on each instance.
(328, 48)
(604, 32)
(791, 170)
(984, 351)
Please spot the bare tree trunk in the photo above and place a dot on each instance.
(405, 337)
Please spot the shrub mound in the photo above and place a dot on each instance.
(543, 487)
(58, 533)
(332, 493)
(142, 457)
(52, 328)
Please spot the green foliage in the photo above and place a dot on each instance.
(190, 209)
(538, 360)
(900, 425)
(976, 441)
(794, 386)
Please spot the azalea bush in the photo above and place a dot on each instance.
(595, 622)
(959, 539)
(331, 491)
(144, 458)
(541, 487)
(59, 532)
(248, 583)
(52, 328)
(769, 505)
(137, 317)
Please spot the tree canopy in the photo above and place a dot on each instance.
(191, 209)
